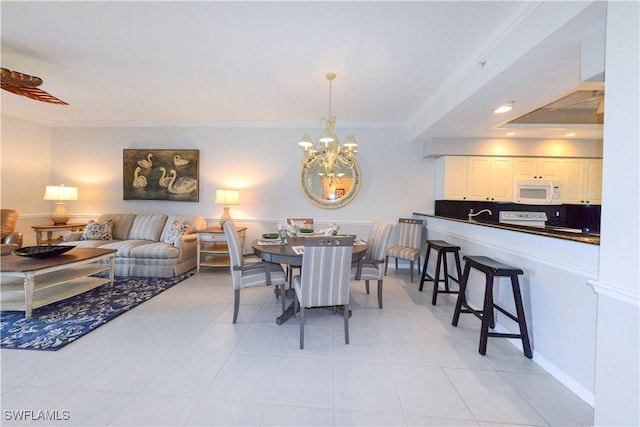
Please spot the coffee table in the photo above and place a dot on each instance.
(27, 283)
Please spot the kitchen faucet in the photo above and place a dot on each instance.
(473, 215)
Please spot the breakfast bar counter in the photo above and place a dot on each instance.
(555, 232)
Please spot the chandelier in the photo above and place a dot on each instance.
(327, 152)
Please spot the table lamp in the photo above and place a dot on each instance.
(226, 198)
(60, 194)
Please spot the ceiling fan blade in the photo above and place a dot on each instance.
(15, 78)
(34, 93)
(26, 85)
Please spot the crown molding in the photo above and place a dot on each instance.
(220, 124)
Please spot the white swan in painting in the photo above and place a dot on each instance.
(146, 163)
(179, 161)
(165, 179)
(139, 181)
(182, 185)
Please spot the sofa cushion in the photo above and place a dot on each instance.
(125, 248)
(147, 227)
(155, 250)
(177, 230)
(121, 224)
(98, 231)
(195, 223)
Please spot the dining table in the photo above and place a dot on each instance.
(291, 254)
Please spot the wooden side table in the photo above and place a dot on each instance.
(50, 228)
(213, 250)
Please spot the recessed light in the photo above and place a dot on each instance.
(571, 134)
(504, 108)
(510, 133)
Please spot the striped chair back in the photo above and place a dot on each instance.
(235, 252)
(326, 264)
(410, 233)
(378, 240)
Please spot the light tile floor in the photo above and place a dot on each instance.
(178, 360)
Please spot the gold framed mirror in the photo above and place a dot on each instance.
(330, 192)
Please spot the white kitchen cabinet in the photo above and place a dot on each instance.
(593, 181)
(455, 177)
(582, 181)
(490, 178)
(537, 168)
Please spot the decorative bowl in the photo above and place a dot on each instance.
(42, 251)
(271, 236)
(306, 230)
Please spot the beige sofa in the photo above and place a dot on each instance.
(145, 243)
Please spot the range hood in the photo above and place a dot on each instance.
(581, 108)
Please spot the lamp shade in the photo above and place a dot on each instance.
(60, 193)
(227, 197)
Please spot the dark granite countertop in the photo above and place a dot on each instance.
(554, 232)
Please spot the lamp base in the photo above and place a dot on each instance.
(60, 216)
(225, 215)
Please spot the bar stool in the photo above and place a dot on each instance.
(492, 268)
(442, 248)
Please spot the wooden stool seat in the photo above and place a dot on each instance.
(442, 248)
(492, 268)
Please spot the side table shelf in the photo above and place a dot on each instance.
(51, 228)
(212, 247)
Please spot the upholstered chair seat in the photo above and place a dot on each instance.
(10, 239)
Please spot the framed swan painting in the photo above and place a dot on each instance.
(151, 174)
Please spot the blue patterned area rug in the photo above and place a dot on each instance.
(55, 325)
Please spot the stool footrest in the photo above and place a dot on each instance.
(503, 335)
(429, 278)
(467, 309)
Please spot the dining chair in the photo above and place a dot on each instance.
(324, 278)
(370, 268)
(250, 275)
(409, 243)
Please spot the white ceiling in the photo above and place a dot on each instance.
(263, 63)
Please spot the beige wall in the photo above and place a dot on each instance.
(262, 162)
(26, 167)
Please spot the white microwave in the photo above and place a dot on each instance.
(537, 192)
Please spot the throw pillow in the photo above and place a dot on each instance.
(98, 231)
(177, 230)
